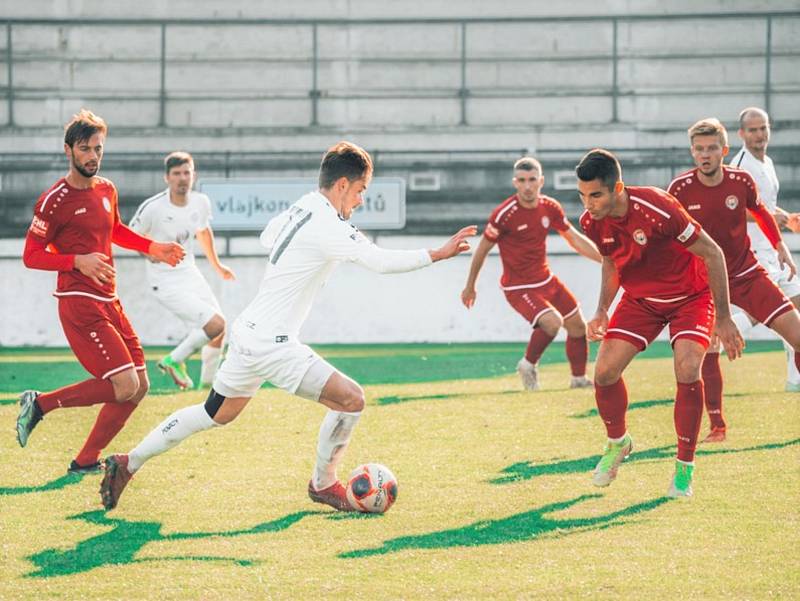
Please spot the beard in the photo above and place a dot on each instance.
(85, 171)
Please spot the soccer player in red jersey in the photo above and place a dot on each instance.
(519, 226)
(720, 198)
(74, 224)
(665, 264)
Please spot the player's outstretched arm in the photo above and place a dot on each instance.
(170, 253)
(455, 245)
(793, 222)
(727, 332)
(609, 286)
(581, 244)
(206, 239)
(468, 295)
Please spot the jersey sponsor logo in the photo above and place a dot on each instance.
(39, 226)
(702, 328)
(524, 226)
(686, 233)
(731, 202)
(608, 240)
(545, 221)
(693, 207)
(640, 237)
(282, 338)
(106, 204)
(80, 211)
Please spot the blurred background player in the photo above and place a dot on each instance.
(305, 244)
(656, 252)
(754, 131)
(720, 198)
(74, 224)
(181, 214)
(519, 226)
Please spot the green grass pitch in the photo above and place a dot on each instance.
(495, 497)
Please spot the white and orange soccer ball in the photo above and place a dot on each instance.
(372, 488)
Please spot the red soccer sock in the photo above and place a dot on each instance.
(82, 394)
(577, 354)
(712, 383)
(538, 342)
(109, 422)
(797, 360)
(612, 403)
(688, 416)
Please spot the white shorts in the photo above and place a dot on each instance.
(188, 296)
(790, 286)
(286, 365)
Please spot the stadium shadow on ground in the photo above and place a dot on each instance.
(526, 470)
(516, 528)
(125, 539)
(57, 484)
(393, 400)
(641, 405)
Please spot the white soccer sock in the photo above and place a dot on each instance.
(792, 375)
(177, 427)
(193, 341)
(742, 322)
(208, 369)
(334, 435)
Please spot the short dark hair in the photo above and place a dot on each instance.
(83, 126)
(751, 110)
(599, 164)
(528, 164)
(177, 158)
(344, 159)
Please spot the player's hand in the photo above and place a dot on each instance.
(793, 223)
(785, 258)
(225, 272)
(94, 267)
(781, 218)
(597, 326)
(170, 253)
(468, 297)
(455, 245)
(730, 337)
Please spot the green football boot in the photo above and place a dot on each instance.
(613, 455)
(177, 371)
(681, 485)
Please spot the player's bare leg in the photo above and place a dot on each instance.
(611, 396)
(688, 413)
(577, 348)
(211, 356)
(345, 400)
(788, 327)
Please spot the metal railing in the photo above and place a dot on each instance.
(462, 59)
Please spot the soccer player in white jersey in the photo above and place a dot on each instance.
(305, 243)
(181, 214)
(754, 130)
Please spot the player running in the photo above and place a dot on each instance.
(179, 213)
(720, 198)
(74, 224)
(665, 265)
(305, 244)
(519, 226)
(754, 130)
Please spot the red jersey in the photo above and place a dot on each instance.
(722, 211)
(648, 245)
(72, 221)
(521, 235)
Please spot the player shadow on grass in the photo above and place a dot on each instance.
(393, 400)
(120, 544)
(525, 470)
(57, 484)
(521, 527)
(640, 405)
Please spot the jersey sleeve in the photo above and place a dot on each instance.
(590, 228)
(142, 221)
(753, 200)
(46, 221)
(558, 219)
(205, 215)
(494, 230)
(347, 243)
(680, 226)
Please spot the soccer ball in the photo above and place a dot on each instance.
(372, 488)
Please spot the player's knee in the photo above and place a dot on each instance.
(141, 392)
(550, 323)
(354, 401)
(126, 385)
(215, 326)
(687, 369)
(606, 375)
(576, 328)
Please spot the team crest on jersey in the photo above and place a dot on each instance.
(640, 237)
(731, 202)
(545, 222)
(106, 204)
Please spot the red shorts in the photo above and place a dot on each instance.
(639, 321)
(100, 335)
(759, 296)
(531, 303)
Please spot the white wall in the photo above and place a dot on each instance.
(356, 305)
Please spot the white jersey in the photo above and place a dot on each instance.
(767, 181)
(160, 219)
(305, 243)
